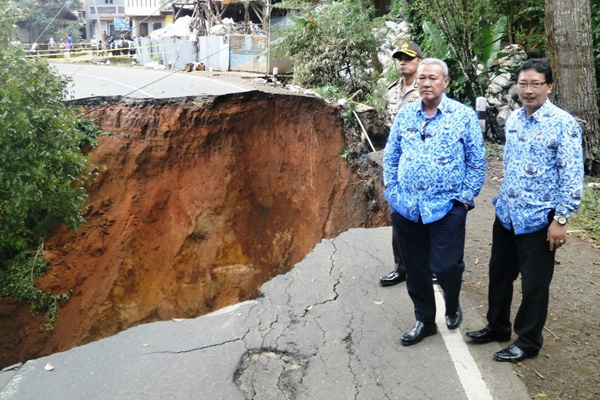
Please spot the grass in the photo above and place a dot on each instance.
(587, 220)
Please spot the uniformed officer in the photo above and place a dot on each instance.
(400, 93)
(404, 90)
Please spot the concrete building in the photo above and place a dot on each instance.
(133, 18)
(148, 15)
(101, 16)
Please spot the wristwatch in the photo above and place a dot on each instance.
(561, 219)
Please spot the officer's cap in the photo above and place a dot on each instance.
(411, 49)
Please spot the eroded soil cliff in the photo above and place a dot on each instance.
(196, 203)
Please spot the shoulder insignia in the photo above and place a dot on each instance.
(397, 81)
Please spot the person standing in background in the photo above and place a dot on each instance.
(401, 93)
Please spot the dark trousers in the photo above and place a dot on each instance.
(398, 262)
(435, 248)
(529, 255)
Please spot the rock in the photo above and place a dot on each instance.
(373, 124)
(494, 101)
(494, 88)
(362, 148)
(501, 94)
(503, 113)
(503, 80)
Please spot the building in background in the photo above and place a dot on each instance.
(148, 15)
(30, 30)
(129, 18)
(100, 17)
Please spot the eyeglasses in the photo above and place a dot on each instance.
(534, 85)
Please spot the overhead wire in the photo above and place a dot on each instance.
(174, 71)
(51, 21)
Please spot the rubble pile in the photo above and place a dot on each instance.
(393, 35)
(180, 28)
(501, 94)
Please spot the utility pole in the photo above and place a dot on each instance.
(97, 22)
(267, 27)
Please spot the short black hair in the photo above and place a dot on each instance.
(541, 66)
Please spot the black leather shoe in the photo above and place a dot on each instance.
(393, 278)
(512, 353)
(453, 321)
(418, 333)
(487, 335)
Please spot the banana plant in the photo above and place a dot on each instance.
(486, 44)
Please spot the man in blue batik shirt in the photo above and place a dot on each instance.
(434, 166)
(542, 186)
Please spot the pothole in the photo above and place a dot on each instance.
(269, 374)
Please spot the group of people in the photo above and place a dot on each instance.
(49, 47)
(434, 167)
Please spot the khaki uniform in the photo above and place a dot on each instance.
(396, 100)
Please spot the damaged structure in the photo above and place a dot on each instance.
(196, 204)
(221, 35)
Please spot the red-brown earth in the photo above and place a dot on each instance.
(195, 203)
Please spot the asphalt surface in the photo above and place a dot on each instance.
(90, 80)
(324, 330)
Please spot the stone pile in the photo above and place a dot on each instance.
(501, 93)
(394, 34)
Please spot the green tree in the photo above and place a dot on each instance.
(43, 17)
(595, 24)
(332, 45)
(525, 24)
(43, 169)
(466, 33)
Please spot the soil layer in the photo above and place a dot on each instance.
(196, 203)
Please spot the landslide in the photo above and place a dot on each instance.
(196, 202)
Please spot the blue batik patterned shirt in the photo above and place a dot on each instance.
(543, 168)
(429, 162)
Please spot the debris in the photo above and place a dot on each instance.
(538, 374)
(14, 367)
(378, 302)
(556, 337)
(49, 367)
(180, 28)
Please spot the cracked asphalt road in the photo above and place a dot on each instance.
(324, 330)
